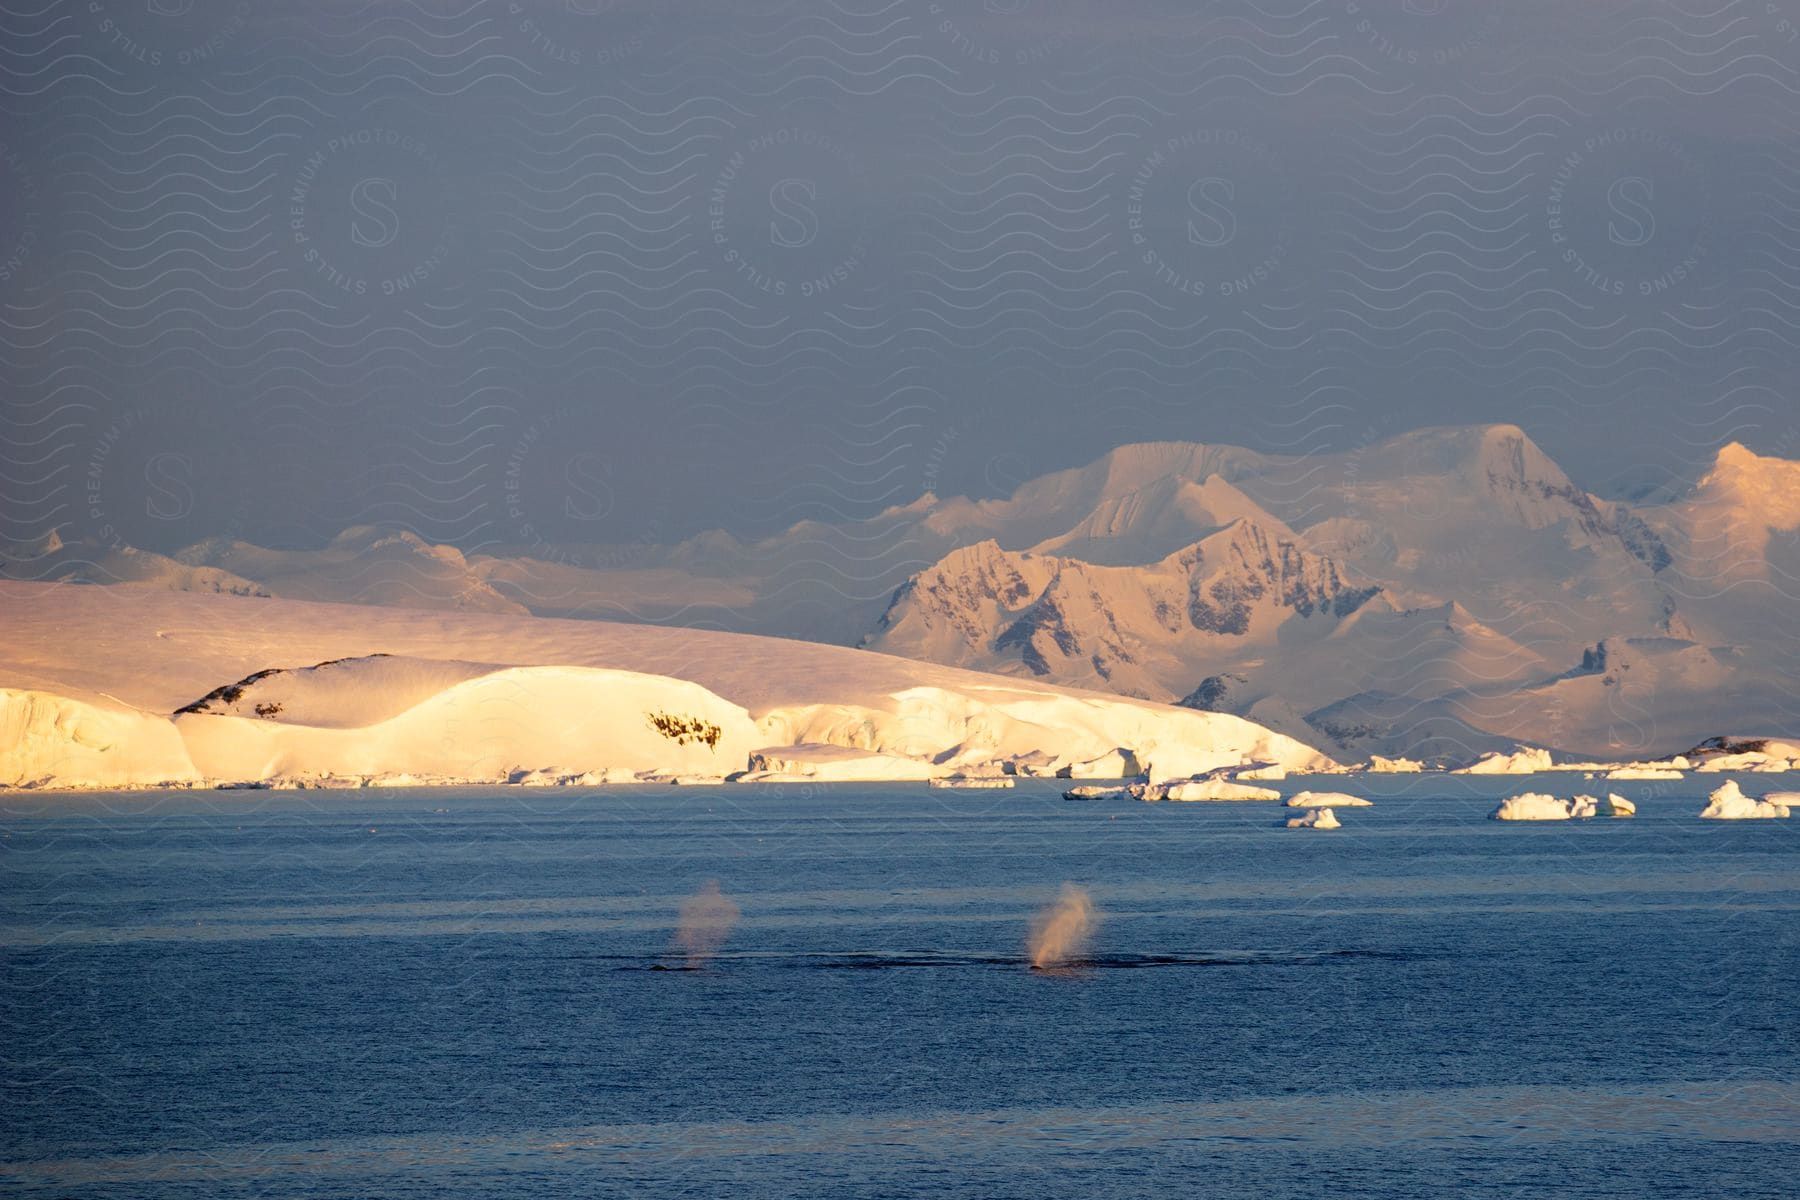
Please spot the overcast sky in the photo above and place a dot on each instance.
(611, 271)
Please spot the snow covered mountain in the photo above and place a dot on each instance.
(362, 565)
(1133, 630)
(1439, 593)
(51, 558)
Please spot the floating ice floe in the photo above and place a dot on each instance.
(1092, 791)
(1393, 766)
(972, 781)
(1214, 788)
(1728, 803)
(1327, 800)
(1316, 818)
(1205, 789)
(1638, 771)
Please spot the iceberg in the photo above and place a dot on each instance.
(1326, 800)
(1209, 789)
(1037, 764)
(1523, 761)
(1117, 764)
(1316, 818)
(1533, 806)
(1537, 806)
(1728, 803)
(1378, 765)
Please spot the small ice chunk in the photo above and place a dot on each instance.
(1316, 818)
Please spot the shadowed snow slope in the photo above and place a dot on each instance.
(288, 689)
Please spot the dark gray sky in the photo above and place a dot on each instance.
(611, 271)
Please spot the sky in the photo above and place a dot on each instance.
(527, 272)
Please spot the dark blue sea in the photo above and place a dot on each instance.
(484, 993)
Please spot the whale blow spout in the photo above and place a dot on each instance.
(707, 918)
(1061, 931)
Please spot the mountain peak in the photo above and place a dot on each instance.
(974, 556)
(1737, 463)
(1161, 517)
(1736, 455)
(1762, 489)
(1131, 466)
(1490, 453)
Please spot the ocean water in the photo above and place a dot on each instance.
(457, 993)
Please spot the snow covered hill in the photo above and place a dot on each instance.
(110, 687)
